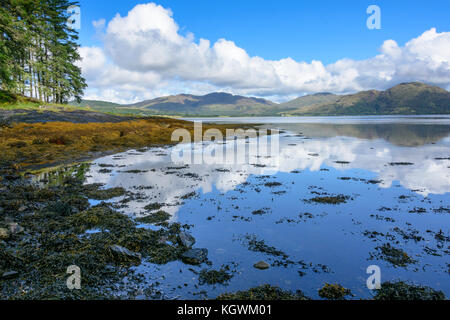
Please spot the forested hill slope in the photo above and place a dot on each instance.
(406, 98)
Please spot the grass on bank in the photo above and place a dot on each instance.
(10, 101)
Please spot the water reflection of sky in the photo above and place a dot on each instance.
(313, 159)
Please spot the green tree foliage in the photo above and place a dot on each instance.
(38, 51)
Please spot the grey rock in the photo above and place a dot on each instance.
(123, 254)
(186, 239)
(4, 234)
(261, 265)
(14, 228)
(195, 256)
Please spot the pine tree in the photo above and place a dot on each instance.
(38, 51)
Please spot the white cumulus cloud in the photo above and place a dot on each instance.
(144, 55)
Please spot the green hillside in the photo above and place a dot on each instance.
(310, 100)
(214, 104)
(94, 104)
(406, 98)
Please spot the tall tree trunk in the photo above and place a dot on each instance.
(30, 70)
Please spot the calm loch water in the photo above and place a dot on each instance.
(389, 175)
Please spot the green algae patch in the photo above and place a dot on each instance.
(405, 291)
(334, 292)
(155, 218)
(95, 191)
(264, 292)
(339, 199)
(189, 196)
(395, 256)
(260, 246)
(272, 184)
(221, 276)
(101, 217)
(154, 206)
(261, 212)
(164, 253)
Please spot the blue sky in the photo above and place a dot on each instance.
(326, 31)
(304, 30)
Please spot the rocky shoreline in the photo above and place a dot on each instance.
(45, 230)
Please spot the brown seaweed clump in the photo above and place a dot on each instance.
(334, 292)
(330, 199)
(221, 276)
(264, 292)
(395, 256)
(404, 291)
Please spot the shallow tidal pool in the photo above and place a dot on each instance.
(336, 197)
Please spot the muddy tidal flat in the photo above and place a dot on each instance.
(338, 195)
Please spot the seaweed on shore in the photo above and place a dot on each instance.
(396, 257)
(95, 191)
(338, 199)
(264, 292)
(53, 227)
(221, 276)
(334, 292)
(405, 291)
(154, 218)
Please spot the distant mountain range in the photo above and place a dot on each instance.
(406, 99)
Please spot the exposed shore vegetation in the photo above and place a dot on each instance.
(37, 245)
(45, 144)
